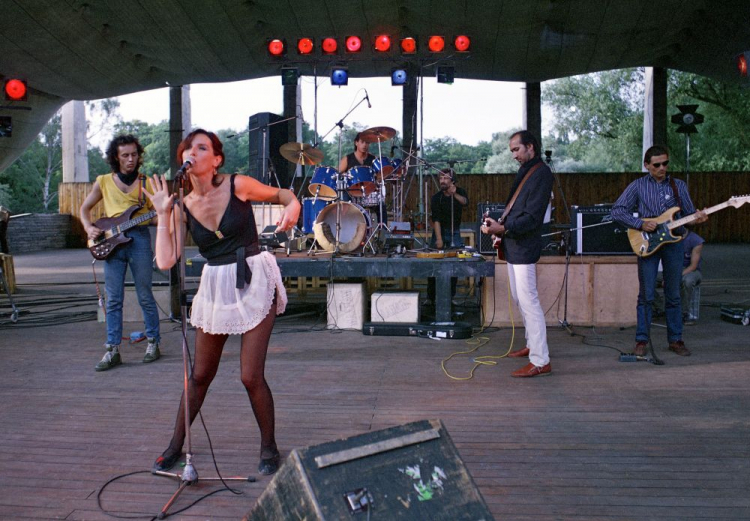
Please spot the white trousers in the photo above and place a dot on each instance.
(522, 279)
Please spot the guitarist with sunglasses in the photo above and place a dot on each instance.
(119, 191)
(520, 233)
(652, 195)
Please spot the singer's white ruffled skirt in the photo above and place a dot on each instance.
(220, 308)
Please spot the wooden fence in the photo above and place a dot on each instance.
(583, 189)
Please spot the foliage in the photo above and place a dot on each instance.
(468, 159)
(501, 161)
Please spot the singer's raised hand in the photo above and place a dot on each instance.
(159, 194)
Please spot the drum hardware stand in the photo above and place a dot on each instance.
(189, 474)
(381, 208)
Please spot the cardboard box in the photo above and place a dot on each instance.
(401, 306)
(346, 303)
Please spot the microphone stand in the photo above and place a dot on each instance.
(189, 475)
(566, 239)
(422, 162)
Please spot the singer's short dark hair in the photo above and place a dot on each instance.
(527, 138)
(656, 150)
(113, 149)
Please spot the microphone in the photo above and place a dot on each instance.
(367, 97)
(188, 162)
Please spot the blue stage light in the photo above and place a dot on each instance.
(339, 76)
(399, 77)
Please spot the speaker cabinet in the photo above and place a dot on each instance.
(596, 233)
(262, 126)
(484, 241)
(408, 472)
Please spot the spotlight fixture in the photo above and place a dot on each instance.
(329, 45)
(399, 76)
(445, 74)
(382, 43)
(408, 45)
(687, 119)
(462, 43)
(353, 44)
(339, 76)
(436, 44)
(289, 75)
(15, 90)
(305, 46)
(276, 47)
(742, 63)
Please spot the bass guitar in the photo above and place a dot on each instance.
(646, 243)
(113, 228)
(497, 240)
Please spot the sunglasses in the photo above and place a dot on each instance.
(657, 165)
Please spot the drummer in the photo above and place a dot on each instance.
(360, 157)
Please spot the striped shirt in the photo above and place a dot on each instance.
(650, 199)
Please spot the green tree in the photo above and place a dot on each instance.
(500, 160)
(467, 159)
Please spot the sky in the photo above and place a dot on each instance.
(468, 110)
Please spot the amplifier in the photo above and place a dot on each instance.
(484, 241)
(596, 233)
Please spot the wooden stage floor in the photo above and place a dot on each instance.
(597, 439)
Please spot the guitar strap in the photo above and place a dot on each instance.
(676, 193)
(141, 188)
(518, 191)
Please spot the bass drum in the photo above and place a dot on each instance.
(355, 227)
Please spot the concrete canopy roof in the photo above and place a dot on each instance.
(89, 49)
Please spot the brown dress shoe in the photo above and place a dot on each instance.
(519, 353)
(530, 370)
(679, 348)
(640, 348)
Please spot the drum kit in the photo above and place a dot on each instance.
(337, 210)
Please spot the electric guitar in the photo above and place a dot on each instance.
(646, 243)
(114, 227)
(497, 240)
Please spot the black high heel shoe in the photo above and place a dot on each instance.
(163, 464)
(270, 465)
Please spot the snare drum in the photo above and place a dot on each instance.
(310, 212)
(361, 181)
(355, 226)
(323, 183)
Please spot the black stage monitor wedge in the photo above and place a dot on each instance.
(275, 136)
(484, 241)
(412, 471)
(596, 233)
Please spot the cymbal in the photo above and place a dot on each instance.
(301, 153)
(377, 134)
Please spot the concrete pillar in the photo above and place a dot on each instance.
(532, 110)
(74, 154)
(292, 108)
(654, 108)
(179, 122)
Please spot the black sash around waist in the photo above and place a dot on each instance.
(244, 275)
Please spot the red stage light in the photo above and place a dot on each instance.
(15, 90)
(305, 46)
(408, 45)
(742, 64)
(436, 44)
(383, 43)
(353, 44)
(276, 47)
(462, 43)
(329, 46)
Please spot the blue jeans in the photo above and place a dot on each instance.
(137, 253)
(670, 256)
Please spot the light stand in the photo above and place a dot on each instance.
(189, 474)
(566, 239)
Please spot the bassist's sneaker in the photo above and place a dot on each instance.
(152, 351)
(111, 359)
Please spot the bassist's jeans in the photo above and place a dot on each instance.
(136, 253)
(670, 256)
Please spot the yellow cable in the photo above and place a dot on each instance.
(480, 341)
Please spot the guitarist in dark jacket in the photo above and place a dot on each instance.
(118, 191)
(521, 234)
(651, 196)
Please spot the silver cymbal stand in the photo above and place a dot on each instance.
(381, 201)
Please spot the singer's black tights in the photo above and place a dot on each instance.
(208, 349)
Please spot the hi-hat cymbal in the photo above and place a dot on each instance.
(301, 153)
(375, 134)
